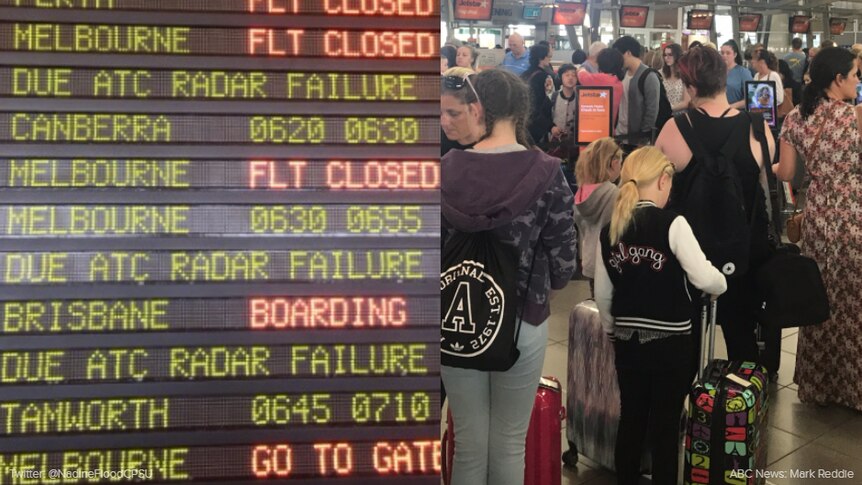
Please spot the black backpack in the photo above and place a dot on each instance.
(664, 109)
(478, 295)
(709, 195)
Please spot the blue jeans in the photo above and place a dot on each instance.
(492, 411)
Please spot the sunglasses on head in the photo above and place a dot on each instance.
(456, 82)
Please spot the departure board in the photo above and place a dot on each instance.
(219, 241)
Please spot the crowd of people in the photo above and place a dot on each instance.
(501, 127)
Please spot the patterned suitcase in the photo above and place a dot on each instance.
(593, 400)
(726, 434)
(543, 438)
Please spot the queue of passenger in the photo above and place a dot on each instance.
(497, 178)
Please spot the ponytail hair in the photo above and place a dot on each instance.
(641, 169)
(594, 163)
(826, 66)
(504, 96)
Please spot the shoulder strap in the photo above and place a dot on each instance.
(686, 129)
(642, 79)
(554, 97)
(691, 139)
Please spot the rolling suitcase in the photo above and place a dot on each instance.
(543, 436)
(593, 399)
(728, 407)
(542, 453)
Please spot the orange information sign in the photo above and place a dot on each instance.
(473, 9)
(595, 113)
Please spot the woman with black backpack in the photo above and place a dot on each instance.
(517, 198)
(718, 129)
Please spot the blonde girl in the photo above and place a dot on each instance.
(597, 168)
(645, 260)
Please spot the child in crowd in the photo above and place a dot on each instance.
(645, 259)
(597, 168)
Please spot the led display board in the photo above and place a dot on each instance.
(569, 13)
(700, 19)
(633, 16)
(532, 12)
(837, 25)
(800, 24)
(750, 22)
(219, 241)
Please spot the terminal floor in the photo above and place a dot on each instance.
(801, 436)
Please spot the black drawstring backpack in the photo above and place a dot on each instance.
(479, 327)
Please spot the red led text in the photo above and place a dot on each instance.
(273, 6)
(287, 42)
(383, 175)
(284, 175)
(345, 175)
(272, 461)
(415, 457)
(337, 458)
(405, 45)
(403, 8)
(328, 312)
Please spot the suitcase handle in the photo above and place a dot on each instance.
(708, 321)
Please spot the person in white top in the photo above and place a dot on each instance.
(676, 92)
(766, 64)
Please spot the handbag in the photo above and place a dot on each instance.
(789, 286)
(790, 290)
(794, 223)
(787, 106)
(794, 227)
(560, 147)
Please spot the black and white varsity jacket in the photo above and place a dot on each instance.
(643, 284)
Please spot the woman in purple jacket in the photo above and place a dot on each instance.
(521, 195)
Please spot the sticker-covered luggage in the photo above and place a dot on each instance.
(542, 454)
(728, 407)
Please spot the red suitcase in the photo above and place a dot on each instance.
(543, 437)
